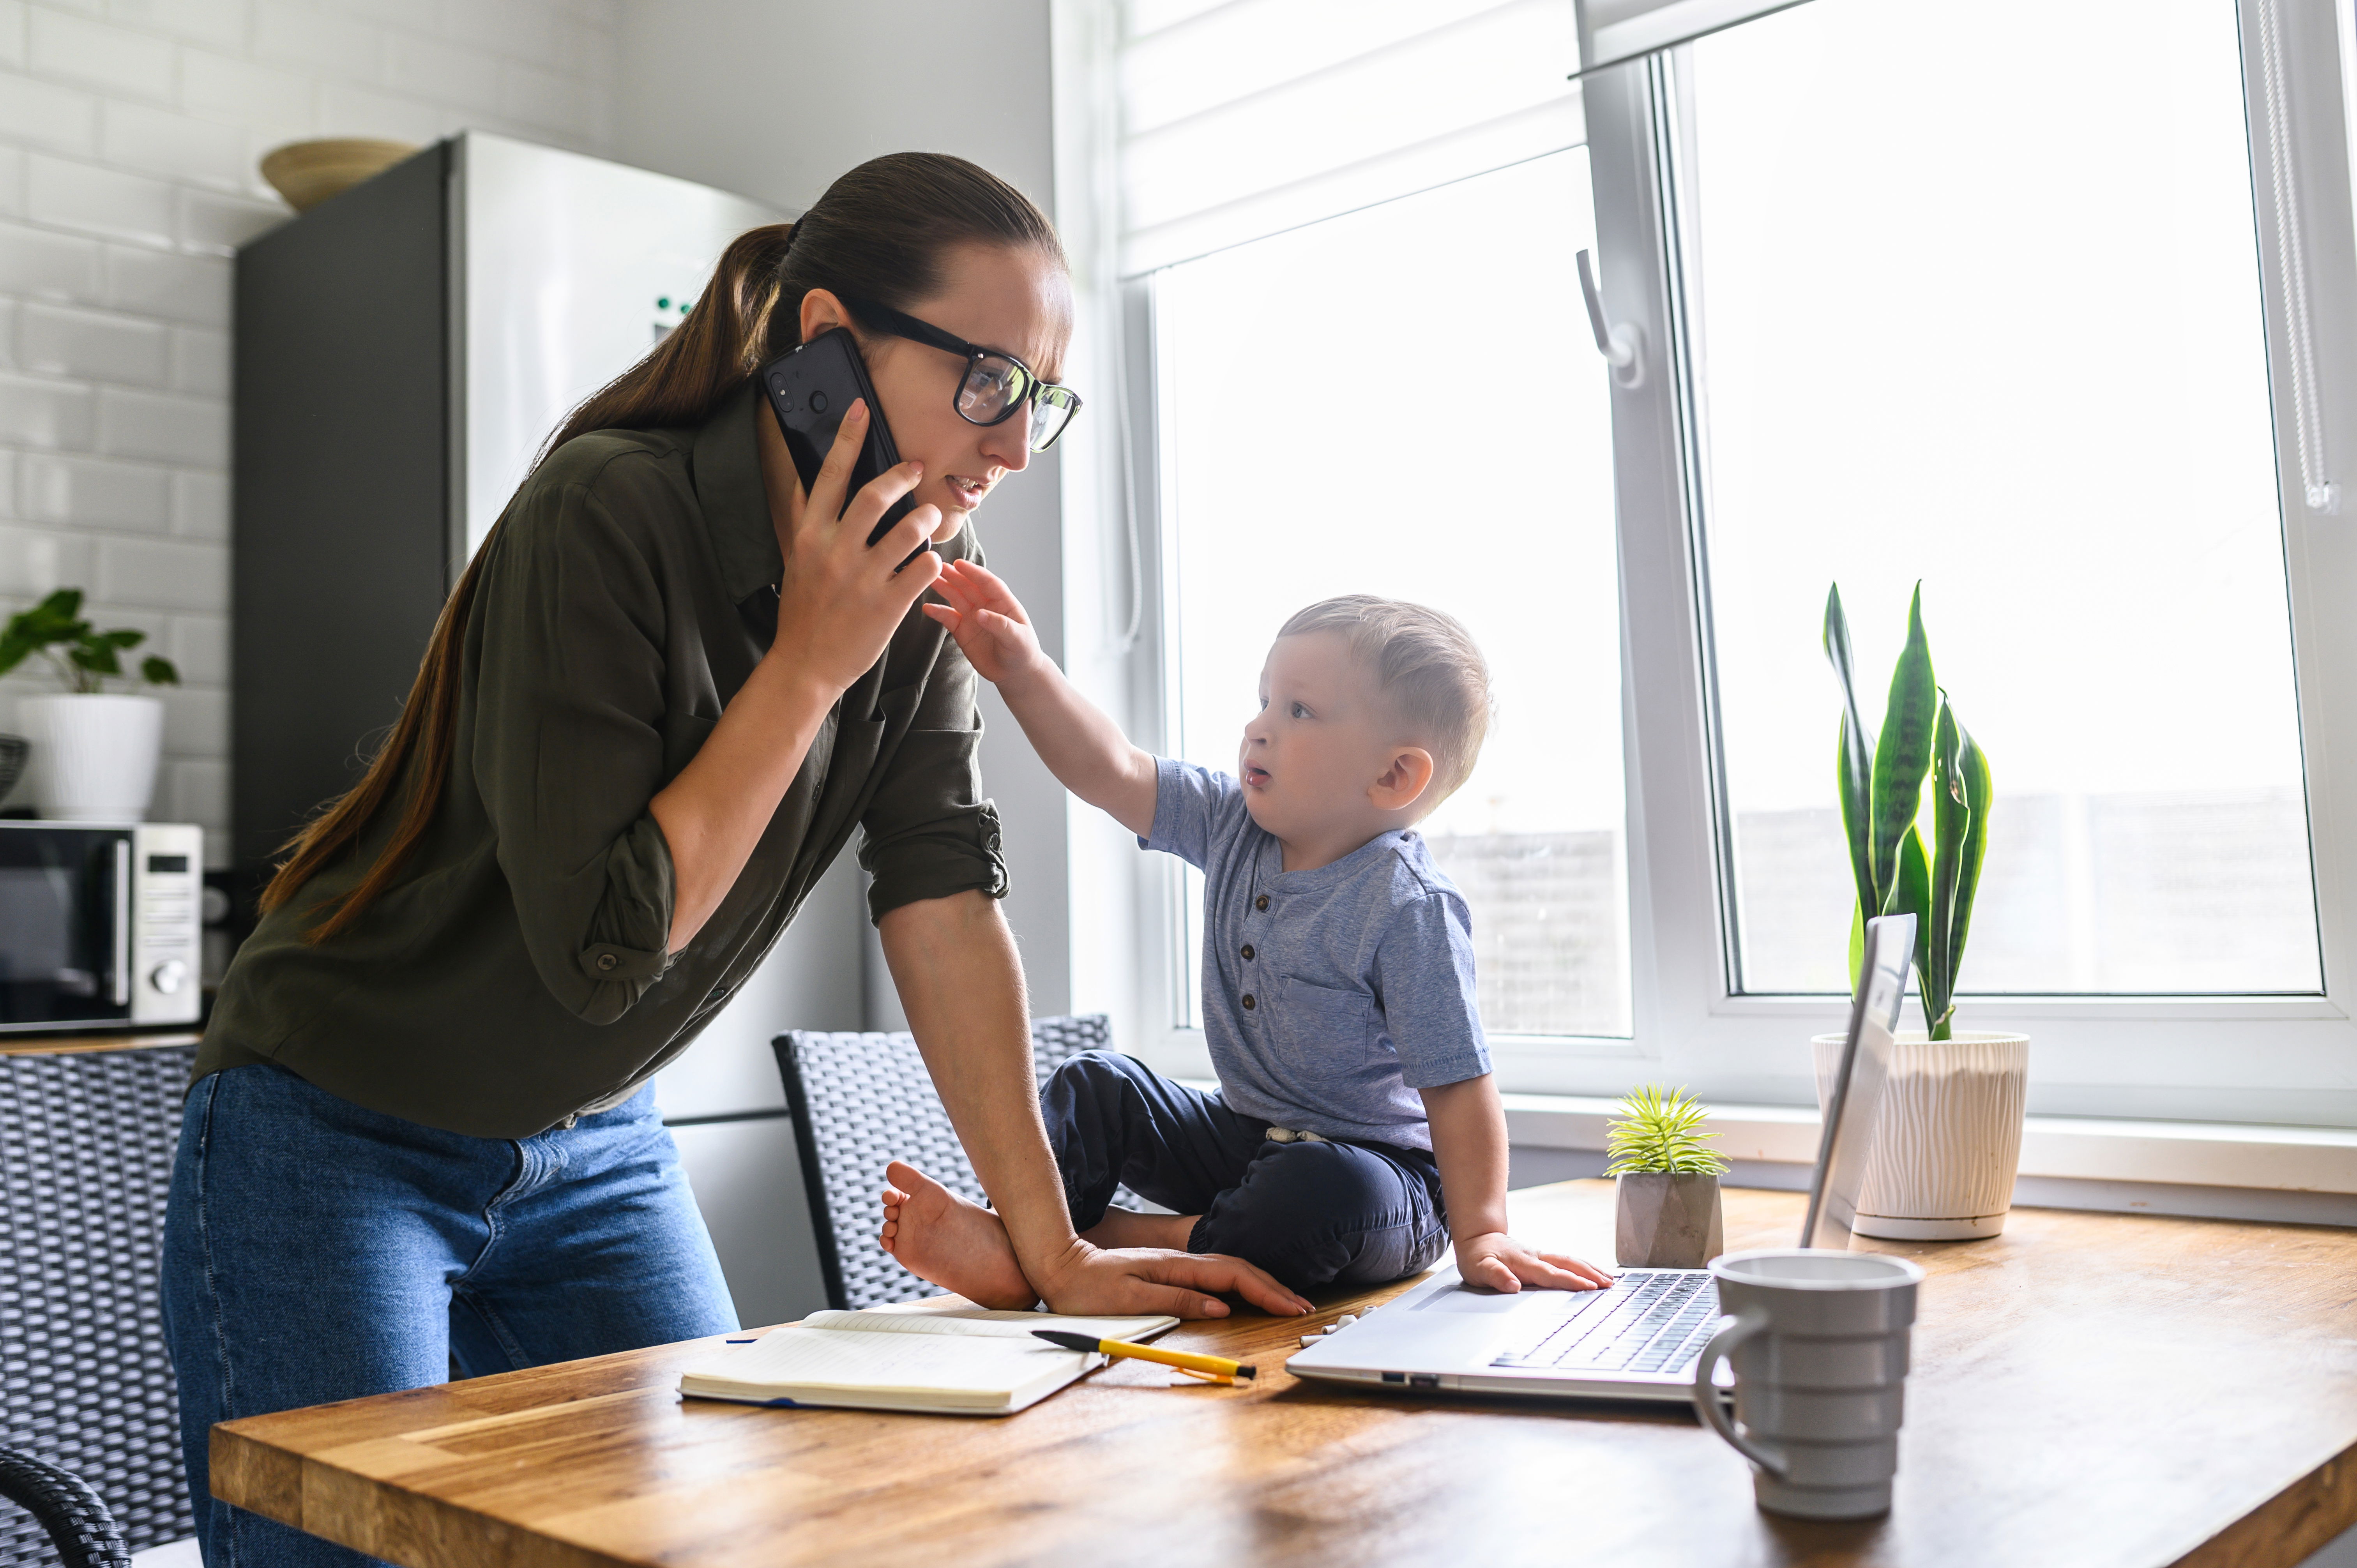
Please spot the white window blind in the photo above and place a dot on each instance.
(1242, 118)
(1612, 32)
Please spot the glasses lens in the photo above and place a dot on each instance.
(1051, 413)
(994, 384)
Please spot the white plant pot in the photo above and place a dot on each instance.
(94, 756)
(1948, 1142)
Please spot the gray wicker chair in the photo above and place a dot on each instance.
(860, 1101)
(86, 1389)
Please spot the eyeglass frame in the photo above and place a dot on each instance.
(878, 317)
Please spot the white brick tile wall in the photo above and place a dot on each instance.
(167, 428)
(200, 361)
(168, 284)
(199, 646)
(160, 575)
(42, 115)
(39, 266)
(176, 145)
(46, 413)
(129, 135)
(200, 507)
(97, 346)
(98, 200)
(77, 48)
(55, 489)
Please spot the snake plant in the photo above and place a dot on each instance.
(1881, 798)
(1660, 1129)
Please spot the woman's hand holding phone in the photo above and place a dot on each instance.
(841, 599)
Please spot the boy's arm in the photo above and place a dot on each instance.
(1469, 1140)
(1084, 749)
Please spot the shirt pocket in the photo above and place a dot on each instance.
(1328, 1036)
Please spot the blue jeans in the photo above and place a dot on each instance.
(315, 1251)
(1311, 1214)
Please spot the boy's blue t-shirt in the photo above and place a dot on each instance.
(1329, 996)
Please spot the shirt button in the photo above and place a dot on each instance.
(1261, 902)
(607, 960)
(1247, 949)
(1249, 1003)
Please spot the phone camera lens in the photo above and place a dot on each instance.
(818, 403)
(787, 403)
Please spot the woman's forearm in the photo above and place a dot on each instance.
(1081, 745)
(961, 980)
(713, 814)
(1469, 1140)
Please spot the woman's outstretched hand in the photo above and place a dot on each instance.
(842, 598)
(988, 622)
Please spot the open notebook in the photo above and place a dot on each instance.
(945, 1356)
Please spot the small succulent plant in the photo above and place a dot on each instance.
(84, 657)
(1660, 1129)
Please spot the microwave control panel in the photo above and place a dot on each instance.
(167, 877)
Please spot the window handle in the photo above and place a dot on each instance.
(1623, 346)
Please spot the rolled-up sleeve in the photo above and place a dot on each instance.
(928, 832)
(568, 751)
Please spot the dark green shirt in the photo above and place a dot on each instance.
(516, 974)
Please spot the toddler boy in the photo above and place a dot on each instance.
(1357, 1130)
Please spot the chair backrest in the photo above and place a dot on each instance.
(86, 1144)
(862, 1100)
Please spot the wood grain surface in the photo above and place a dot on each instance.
(2089, 1390)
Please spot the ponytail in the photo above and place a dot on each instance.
(881, 232)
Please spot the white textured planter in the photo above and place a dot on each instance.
(1948, 1142)
(93, 756)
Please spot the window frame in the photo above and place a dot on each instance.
(2289, 1061)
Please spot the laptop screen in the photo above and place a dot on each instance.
(1854, 1100)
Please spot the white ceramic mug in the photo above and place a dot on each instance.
(1818, 1340)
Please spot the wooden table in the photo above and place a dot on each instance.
(2089, 1390)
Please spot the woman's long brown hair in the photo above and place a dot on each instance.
(879, 232)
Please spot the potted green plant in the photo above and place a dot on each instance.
(93, 751)
(1950, 1138)
(1665, 1180)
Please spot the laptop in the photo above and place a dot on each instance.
(1639, 1339)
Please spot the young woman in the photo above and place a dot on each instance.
(658, 703)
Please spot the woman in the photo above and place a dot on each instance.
(659, 701)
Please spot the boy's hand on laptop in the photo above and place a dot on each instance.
(988, 622)
(1495, 1261)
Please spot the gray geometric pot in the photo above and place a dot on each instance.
(1668, 1220)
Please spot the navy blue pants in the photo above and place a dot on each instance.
(1311, 1214)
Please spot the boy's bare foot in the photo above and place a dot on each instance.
(957, 1245)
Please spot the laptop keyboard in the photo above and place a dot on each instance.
(1646, 1323)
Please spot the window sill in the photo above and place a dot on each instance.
(2305, 1174)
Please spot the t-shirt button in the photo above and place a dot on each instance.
(1249, 1003)
(607, 960)
(1247, 949)
(1261, 902)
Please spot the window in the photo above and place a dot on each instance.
(1336, 398)
(2012, 344)
(2049, 303)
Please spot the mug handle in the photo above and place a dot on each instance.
(1732, 1331)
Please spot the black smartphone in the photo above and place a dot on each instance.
(809, 389)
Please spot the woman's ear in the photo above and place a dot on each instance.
(821, 312)
(1403, 780)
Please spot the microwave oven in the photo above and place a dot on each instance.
(100, 924)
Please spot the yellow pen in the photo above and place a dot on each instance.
(1217, 1366)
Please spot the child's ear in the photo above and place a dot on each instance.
(1403, 780)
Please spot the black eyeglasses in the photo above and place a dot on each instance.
(995, 385)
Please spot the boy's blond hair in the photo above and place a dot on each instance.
(1426, 666)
